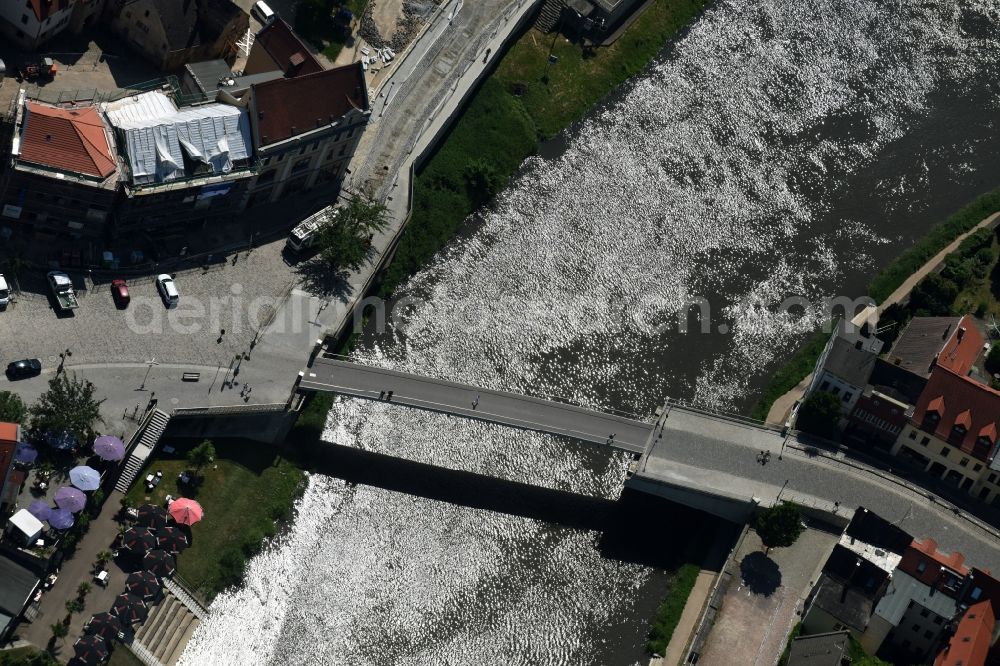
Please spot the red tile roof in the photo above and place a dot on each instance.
(971, 642)
(286, 49)
(45, 8)
(67, 139)
(8, 432)
(960, 400)
(942, 571)
(288, 107)
(962, 347)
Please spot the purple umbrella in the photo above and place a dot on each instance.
(108, 447)
(25, 453)
(70, 499)
(40, 509)
(61, 519)
(85, 478)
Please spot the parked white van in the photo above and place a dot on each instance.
(263, 13)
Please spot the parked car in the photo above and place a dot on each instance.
(168, 289)
(28, 367)
(119, 291)
(4, 293)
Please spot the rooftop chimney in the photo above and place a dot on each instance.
(858, 344)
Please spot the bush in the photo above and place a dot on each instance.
(992, 362)
(669, 612)
(939, 237)
(934, 294)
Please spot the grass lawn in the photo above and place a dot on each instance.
(669, 613)
(122, 656)
(981, 296)
(244, 493)
(557, 95)
(791, 373)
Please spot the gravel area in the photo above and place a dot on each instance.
(237, 298)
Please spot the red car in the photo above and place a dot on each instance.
(119, 290)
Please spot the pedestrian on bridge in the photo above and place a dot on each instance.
(475, 403)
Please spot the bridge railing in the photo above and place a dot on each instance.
(522, 391)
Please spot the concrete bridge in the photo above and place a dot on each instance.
(708, 461)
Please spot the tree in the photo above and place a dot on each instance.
(201, 455)
(69, 405)
(12, 409)
(779, 526)
(819, 414)
(343, 241)
(83, 589)
(993, 359)
(59, 630)
(74, 606)
(103, 557)
(483, 180)
(935, 294)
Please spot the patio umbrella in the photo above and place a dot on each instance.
(85, 478)
(152, 516)
(186, 511)
(143, 584)
(129, 608)
(159, 563)
(90, 650)
(61, 519)
(70, 499)
(139, 539)
(25, 453)
(40, 509)
(109, 447)
(171, 539)
(63, 441)
(105, 625)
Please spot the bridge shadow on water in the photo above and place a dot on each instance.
(637, 527)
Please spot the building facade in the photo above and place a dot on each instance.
(170, 33)
(30, 24)
(845, 365)
(306, 130)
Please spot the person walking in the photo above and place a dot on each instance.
(475, 403)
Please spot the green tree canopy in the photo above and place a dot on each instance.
(201, 455)
(935, 294)
(819, 414)
(343, 242)
(992, 362)
(69, 405)
(780, 525)
(12, 409)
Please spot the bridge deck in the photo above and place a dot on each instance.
(509, 409)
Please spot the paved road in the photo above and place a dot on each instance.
(509, 409)
(720, 456)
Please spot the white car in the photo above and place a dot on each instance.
(4, 293)
(168, 289)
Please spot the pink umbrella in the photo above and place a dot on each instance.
(70, 499)
(186, 511)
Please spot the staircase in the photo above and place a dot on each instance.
(151, 431)
(549, 16)
(168, 628)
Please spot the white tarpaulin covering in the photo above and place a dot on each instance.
(158, 135)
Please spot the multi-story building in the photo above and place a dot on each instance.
(970, 644)
(184, 167)
(845, 364)
(277, 48)
(30, 23)
(63, 173)
(306, 130)
(170, 33)
(10, 435)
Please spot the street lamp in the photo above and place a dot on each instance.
(151, 363)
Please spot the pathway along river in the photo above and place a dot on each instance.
(781, 147)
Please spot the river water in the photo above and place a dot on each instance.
(781, 147)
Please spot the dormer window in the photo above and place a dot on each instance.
(957, 434)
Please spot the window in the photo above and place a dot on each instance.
(836, 390)
(993, 477)
(921, 566)
(925, 613)
(964, 462)
(945, 451)
(147, 13)
(928, 634)
(938, 619)
(925, 441)
(825, 386)
(847, 396)
(913, 434)
(915, 628)
(24, 19)
(977, 467)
